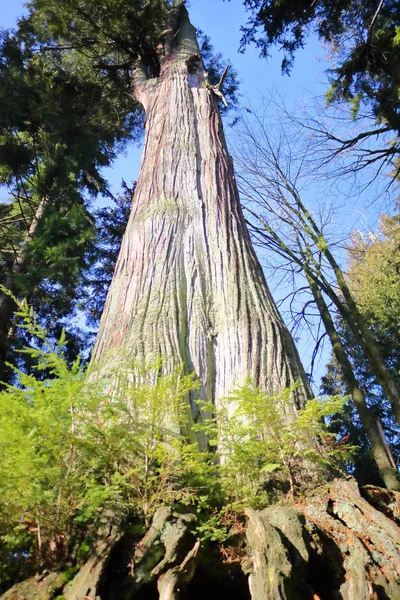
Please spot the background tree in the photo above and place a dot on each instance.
(373, 279)
(373, 273)
(57, 131)
(111, 223)
(271, 169)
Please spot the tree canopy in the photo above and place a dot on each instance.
(59, 126)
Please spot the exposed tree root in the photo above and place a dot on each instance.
(86, 582)
(40, 587)
(383, 500)
(333, 545)
(177, 567)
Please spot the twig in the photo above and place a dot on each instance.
(374, 19)
(216, 89)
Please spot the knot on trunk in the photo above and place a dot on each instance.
(194, 64)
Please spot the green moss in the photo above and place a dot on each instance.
(83, 551)
(68, 576)
(162, 208)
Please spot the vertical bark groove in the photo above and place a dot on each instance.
(187, 284)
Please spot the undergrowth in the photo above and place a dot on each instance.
(78, 453)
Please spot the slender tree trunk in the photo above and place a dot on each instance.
(358, 326)
(7, 304)
(352, 316)
(187, 284)
(348, 307)
(388, 473)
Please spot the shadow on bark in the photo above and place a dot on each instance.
(215, 579)
(325, 567)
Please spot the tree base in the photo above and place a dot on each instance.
(333, 544)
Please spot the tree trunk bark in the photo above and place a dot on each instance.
(187, 285)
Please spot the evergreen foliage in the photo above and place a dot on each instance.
(374, 275)
(60, 125)
(111, 37)
(76, 455)
(364, 39)
(111, 223)
(257, 434)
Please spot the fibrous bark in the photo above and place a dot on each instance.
(187, 285)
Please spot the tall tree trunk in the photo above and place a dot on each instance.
(7, 304)
(187, 284)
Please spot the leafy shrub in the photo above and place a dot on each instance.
(76, 454)
(257, 434)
